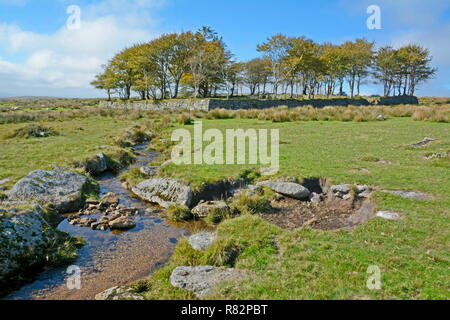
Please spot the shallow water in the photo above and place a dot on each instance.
(110, 259)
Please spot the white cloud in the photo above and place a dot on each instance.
(68, 60)
(414, 21)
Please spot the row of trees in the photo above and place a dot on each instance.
(201, 64)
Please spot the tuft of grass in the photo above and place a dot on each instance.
(30, 131)
(218, 215)
(63, 250)
(220, 114)
(141, 286)
(185, 119)
(178, 213)
(248, 203)
(352, 113)
(132, 176)
(238, 240)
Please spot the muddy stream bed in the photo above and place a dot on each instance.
(110, 259)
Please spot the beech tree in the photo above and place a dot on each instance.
(402, 70)
(275, 49)
(257, 74)
(200, 63)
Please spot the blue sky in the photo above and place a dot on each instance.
(40, 56)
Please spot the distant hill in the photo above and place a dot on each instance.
(27, 98)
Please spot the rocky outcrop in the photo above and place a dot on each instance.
(200, 280)
(114, 216)
(202, 241)
(26, 240)
(118, 293)
(97, 165)
(165, 192)
(344, 191)
(62, 189)
(203, 209)
(288, 189)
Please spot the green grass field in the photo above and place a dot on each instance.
(412, 253)
(76, 140)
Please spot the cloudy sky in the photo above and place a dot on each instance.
(40, 55)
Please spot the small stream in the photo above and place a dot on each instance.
(110, 259)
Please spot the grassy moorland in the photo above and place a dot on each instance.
(74, 140)
(412, 253)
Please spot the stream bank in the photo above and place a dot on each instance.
(111, 259)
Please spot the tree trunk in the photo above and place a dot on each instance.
(358, 84)
(177, 86)
(351, 83)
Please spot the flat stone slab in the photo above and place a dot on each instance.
(200, 280)
(118, 293)
(164, 192)
(63, 189)
(4, 181)
(288, 189)
(203, 209)
(202, 241)
(122, 223)
(388, 215)
(410, 194)
(424, 142)
(149, 171)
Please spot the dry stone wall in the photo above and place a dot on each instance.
(236, 104)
